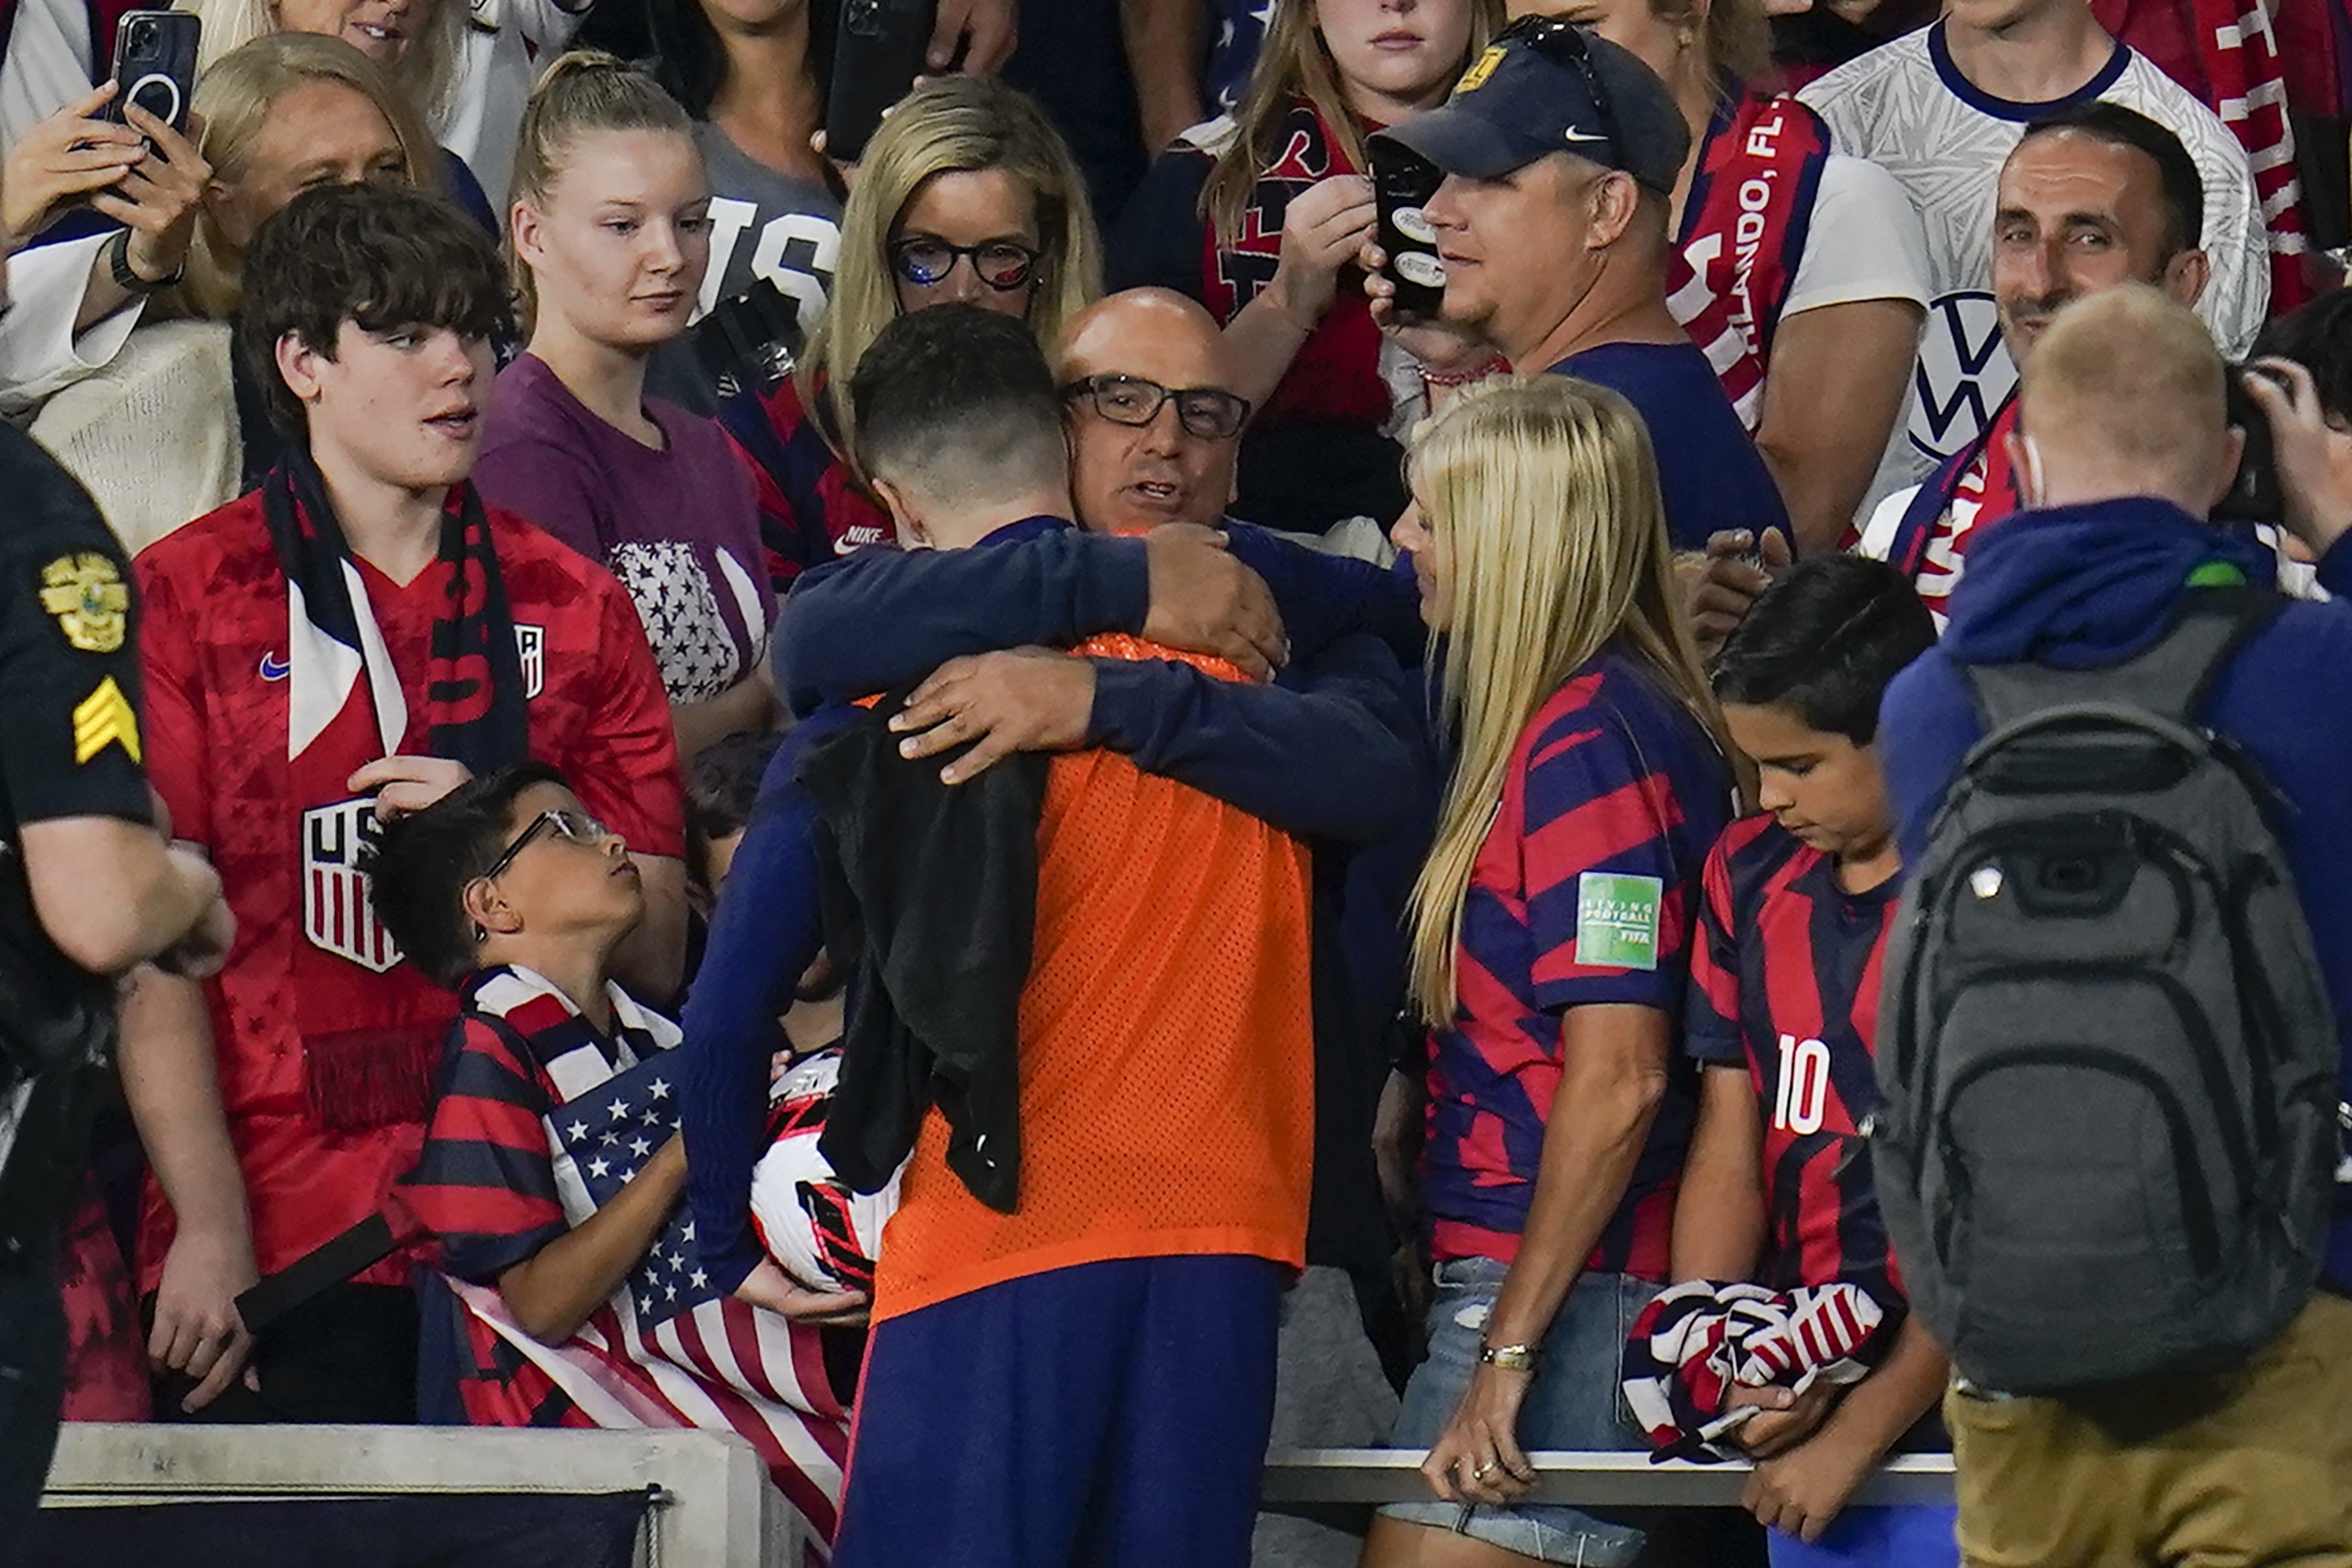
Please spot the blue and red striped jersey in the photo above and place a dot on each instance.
(1581, 895)
(1784, 983)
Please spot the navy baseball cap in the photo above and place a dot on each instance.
(1545, 86)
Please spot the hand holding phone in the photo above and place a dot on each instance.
(1402, 181)
(155, 64)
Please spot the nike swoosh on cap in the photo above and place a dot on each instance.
(1580, 136)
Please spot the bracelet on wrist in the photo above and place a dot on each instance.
(1462, 377)
(1510, 1358)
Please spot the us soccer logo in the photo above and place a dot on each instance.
(338, 915)
(1964, 374)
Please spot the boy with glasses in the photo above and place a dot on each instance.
(552, 1173)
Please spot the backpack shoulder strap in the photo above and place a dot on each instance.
(2172, 680)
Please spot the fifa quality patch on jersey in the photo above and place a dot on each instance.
(1617, 919)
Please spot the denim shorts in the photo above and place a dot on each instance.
(1576, 1402)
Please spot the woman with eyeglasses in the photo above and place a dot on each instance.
(966, 195)
(1260, 216)
(1549, 931)
(1802, 272)
(610, 232)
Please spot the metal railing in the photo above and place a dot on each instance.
(1306, 1479)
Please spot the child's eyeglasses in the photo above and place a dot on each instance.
(575, 825)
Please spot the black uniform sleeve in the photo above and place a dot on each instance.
(68, 655)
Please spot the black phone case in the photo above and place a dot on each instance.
(877, 54)
(155, 62)
(1402, 181)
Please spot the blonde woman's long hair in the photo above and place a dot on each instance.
(1542, 498)
(949, 125)
(581, 93)
(1293, 62)
(428, 72)
(235, 98)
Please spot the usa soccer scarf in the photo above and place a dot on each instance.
(2228, 53)
(371, 1027)
(666, 1350)
(1975, 487)
(1336, 378)
(1696, 1343)
(1744, 223)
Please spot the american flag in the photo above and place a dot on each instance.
(610, 1133)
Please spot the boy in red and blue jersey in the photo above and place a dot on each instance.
(1791, 932)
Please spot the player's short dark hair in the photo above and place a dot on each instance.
(722, 786)
(962, 393)
(2181, 188)
(1824, 641)
(2318, 337)
(423, 861)
(380, 256)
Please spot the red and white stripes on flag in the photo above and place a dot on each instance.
(722, 1366)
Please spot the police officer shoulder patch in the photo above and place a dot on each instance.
(91, 603)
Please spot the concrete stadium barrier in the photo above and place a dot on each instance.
(715, 1509)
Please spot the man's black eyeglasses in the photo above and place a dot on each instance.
(576, 825)
(925, 262)
(1565, 42)
(1207, 412)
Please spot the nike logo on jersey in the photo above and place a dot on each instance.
(274, 668)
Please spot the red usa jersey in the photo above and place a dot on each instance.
(1784, 982)
(216, 660)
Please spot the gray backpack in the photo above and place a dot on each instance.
(2109, 1138)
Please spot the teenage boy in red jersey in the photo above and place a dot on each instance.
(355, 637)
(1784, 1001)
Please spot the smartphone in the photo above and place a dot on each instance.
(877, 52)
(155, 64)
(1403, 180)
(2254, 496)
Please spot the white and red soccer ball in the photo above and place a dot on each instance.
(819, 1232)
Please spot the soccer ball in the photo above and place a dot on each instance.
(820, 1232)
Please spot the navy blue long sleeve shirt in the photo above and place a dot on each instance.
(1265, 749)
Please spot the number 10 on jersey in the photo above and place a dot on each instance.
(1804, 1085)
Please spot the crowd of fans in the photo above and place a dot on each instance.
(1285, 821)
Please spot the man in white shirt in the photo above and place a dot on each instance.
(1942, 108)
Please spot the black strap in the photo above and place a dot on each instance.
(2173, 678)
(316, 1271)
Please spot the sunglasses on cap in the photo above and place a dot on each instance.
(1002, 264)
(1564, 43)
(1206, 412)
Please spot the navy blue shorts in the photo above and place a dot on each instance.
(1112, 1413)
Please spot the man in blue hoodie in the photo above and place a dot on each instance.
(2123, 447)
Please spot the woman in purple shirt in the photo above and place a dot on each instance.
(611, 234)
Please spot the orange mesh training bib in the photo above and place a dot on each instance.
(1167, 1049)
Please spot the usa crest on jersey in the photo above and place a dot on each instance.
(338, 915)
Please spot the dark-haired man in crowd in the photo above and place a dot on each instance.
(1561, 152)
(2094, 198)
(354, 638)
